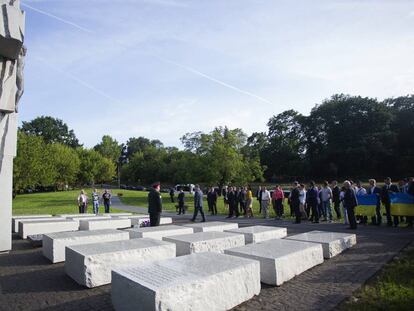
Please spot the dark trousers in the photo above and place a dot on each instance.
(172, 198)
(154, 219)
(321, 211)
(337, 209)
(212, 207)
(243, 207)
(296, 209)
(196, 209)
(260, 206)
(181, 209)
(107, 205)
(233, 210)
(388, 213)
(378, 213)
(351, 217)
(82, 208)
(315, 212)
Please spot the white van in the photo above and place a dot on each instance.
(187, 188)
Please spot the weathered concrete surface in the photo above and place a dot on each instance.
(78, 219)
(257, 234)
(333, 243)
(281, 260)
(212, 226)
(158, 232)
(110, 223)
(203, 282)
(205, 242)
(33, 227)
(90, 265)
(15, 223)
(54, 243)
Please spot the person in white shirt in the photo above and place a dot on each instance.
(82, 202)
(265, 199)
(359, 189)
(326, 197)
(302, 200)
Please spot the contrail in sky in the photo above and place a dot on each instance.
(187, 68)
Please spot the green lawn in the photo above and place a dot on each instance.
(392, 289)
(139, 198)
(62, 202)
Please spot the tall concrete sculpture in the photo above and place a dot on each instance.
(12, 53)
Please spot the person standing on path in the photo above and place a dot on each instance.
(232, 199)
(181, 203)
(373, 189)
(312, 201)
(265, 199)
(350, 202)
(95, 201)
(212, 201)
(387, 189)
(198, 204)
(277, 201)
(249, 202)
(295, 202)
(242, 200)
(106, 197)
(172, 195)
(259, 198)
(336, 200)
(155, 204)
(326, 197)
(82, 202)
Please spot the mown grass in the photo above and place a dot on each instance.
(392, 289)
(62, 202)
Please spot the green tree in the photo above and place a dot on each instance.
(139, 144)
(52, 130)
(66, 164)
(109, 148)
(94, 167)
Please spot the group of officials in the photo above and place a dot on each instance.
(312, 203)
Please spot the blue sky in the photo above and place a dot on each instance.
(161, 68)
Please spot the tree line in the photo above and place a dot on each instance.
(344, 136)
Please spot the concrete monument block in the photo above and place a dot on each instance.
(12, 53)
(115, 214)
(136, 220)
(90, 265)
(280, 259)
(78, 219)
(54, 243)
(158, 232)
(42, 219)
(110, 223)
(32, 227)
(212, 226)
(257, 234)
(333, 243)
(15, 223)
(205, 242)
(202, 282)
(76, 215)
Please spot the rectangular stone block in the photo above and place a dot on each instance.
(54, 243)
(33, 227)
(110, 223)
(90, 265)
(202, 282)
(205, 242)
(15, 220)
(257, 234)
(280, 259)
(333, 243)
(212, 226)
(158, 232)
(75, 215)
(78, 219)
(115, 214)
(136, 220)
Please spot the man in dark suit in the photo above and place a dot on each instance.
(198, 203)
(373, 189)
(154, 204)
(295, 202)
(259, 198)
(212, 201)
(242, 200)
(386, 190)
(350, 202)
(232, 199)
(336, 200)
(312, 201)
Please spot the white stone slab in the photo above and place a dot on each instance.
(158, 232)
(15, 223)
(78, 219)
(205, 242)
(212, 226)
(32, 227)
(115, 214)
(110, 223)
(202, 282)
(42, 219)
(90, 264)
(54, 243)
(136, 220)
(333, 243)
(75, 215)
(280, 259)
(257, 234)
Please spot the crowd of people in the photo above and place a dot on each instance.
(306, 202)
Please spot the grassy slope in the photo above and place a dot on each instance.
(392, 289)
(63, 202)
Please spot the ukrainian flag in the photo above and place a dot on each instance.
(367, 204)
(402, 204)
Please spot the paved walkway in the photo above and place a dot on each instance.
(29, 282)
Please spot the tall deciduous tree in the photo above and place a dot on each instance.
(109, 148)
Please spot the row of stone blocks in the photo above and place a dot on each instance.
(42, 224)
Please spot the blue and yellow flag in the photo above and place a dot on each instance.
(366, 204)
(402, 204)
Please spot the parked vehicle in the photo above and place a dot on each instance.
(187, 188)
